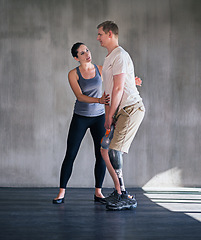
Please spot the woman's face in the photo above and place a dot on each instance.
(83, 54)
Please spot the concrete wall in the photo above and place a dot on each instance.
(36, 102)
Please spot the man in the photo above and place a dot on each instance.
(126, 109)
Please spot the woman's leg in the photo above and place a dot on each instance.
(76, 133)
(97, 131)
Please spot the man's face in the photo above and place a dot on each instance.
(102, 37)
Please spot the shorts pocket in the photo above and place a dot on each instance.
(127, 110)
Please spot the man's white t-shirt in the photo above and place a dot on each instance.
(117, 62)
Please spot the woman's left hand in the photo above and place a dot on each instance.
(138, 81)
(105, 99)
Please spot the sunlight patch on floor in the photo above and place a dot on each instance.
(183, 200)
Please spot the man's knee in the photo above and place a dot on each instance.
(116, 158)
(103, 151)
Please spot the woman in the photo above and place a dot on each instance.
(86, 83)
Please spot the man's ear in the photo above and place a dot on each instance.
(110, 34)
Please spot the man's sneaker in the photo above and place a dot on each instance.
(129, 196)
(124, 202)
(113, 197)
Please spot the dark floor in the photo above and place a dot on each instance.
(28, 213)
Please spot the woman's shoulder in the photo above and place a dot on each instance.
(73, 73)
(74, 70)
(100, 68)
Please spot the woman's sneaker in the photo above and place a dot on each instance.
(100, 200)
(122, 203)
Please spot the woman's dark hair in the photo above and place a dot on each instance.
(75, 48)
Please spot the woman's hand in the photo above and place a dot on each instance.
(105, 99)
(138, 81)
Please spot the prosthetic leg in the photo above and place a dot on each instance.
(116, 160)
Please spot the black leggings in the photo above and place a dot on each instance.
(78, 128)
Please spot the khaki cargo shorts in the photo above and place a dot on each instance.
(128, 121)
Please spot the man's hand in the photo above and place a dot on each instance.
(108, 122)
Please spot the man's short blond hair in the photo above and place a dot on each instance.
(109, 26)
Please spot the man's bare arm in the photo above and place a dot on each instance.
(117, 92)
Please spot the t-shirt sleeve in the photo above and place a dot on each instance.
(119, 65)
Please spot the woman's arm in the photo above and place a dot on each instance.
(73, 80)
